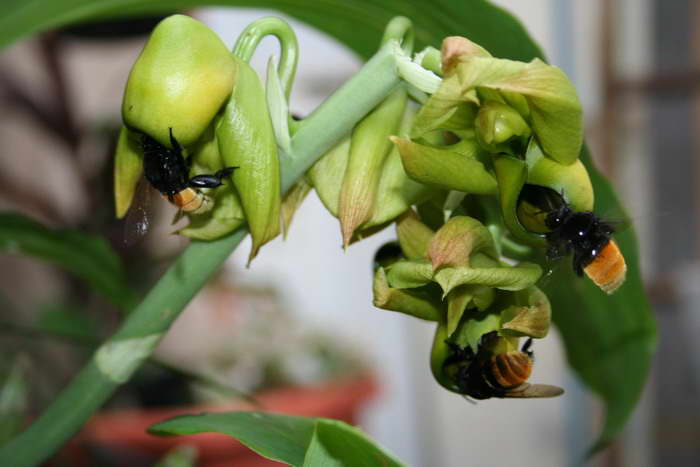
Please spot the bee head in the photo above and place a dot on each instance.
(557, 218)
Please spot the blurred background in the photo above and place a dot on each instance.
(301, 316)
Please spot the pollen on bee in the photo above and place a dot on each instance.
(608, 270)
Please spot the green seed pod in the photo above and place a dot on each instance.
(369, 148)
(128, 167)
(246, 140)
(183, 76)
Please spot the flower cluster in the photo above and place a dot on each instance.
(477, 175)
(186, 83)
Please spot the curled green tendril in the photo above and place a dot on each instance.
(400, 29)
(289, 47)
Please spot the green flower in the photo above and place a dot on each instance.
(183, 76)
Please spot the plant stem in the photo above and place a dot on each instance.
(117, 358)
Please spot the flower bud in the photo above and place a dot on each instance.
(455, 167)
(226, 214)
(410, 302)
(500, 129)
(369, 148)
(414, 236)
(456, 48)
(541, 94)
(128, 167)
(570, 181)
(246, 140)
(396, 192)
(456, 241)
(530, 315)
(183, 76)
(292, 202)
(326, 175)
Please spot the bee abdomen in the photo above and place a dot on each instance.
(510, 369)
(608, 269)
(191, 200)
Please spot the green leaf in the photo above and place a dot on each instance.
(282, 438)
(337, 444)
(60, 320)
(491, 27)
(14, 394)
(87, 257)
(297, 441)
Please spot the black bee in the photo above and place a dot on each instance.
(582, 234)
(167, 171)
(387, 254)
(485, 374)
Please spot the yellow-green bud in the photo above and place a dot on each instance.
(246, 140)
(128, 167)
(500, 129)
(183, 76)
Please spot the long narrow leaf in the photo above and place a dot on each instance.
(297, 441)
(87, 257)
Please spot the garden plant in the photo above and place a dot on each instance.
(455, 132)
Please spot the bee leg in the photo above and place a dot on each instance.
(211, 180)
(577, 262)
(174, 143)
(555, 252)
(526, 347)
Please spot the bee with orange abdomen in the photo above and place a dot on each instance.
(487, 374)
(167, 171)
(582, 234)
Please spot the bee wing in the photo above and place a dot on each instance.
(138, 219)
(528, 391)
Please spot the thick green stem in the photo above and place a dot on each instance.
(117, 359)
